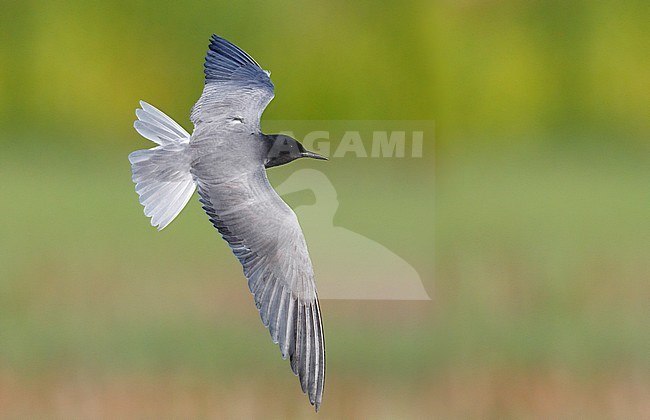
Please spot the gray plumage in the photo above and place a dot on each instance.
(226, 159)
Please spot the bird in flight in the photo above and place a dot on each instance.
(225, 159)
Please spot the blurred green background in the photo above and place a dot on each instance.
(540, 211)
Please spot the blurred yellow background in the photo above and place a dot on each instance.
(540, 211)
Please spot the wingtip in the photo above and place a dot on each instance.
(224, 57)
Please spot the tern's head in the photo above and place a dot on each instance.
(283, 149)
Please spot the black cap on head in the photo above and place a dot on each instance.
(284, 149)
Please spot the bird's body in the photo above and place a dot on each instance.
(225, 159)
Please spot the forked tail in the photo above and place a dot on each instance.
(161, 174)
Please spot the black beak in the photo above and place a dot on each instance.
(313, 155)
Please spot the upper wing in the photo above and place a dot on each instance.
(236, 88)
(264, 234)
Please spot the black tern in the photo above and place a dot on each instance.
(225, 158)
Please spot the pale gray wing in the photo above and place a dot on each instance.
(236, 88)
(264, 234)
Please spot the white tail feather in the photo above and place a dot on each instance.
(161, 174)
